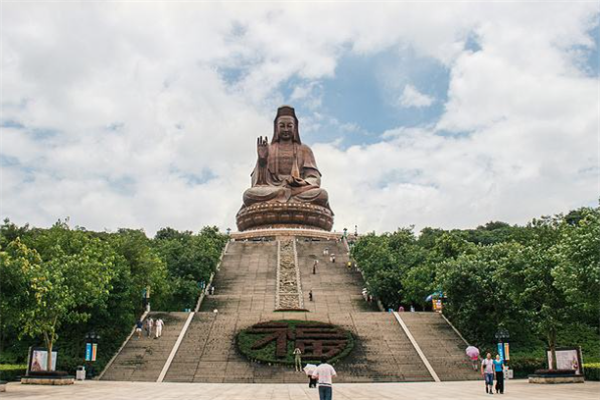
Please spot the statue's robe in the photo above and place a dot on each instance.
(294, 160)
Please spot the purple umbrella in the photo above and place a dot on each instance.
(472, 351)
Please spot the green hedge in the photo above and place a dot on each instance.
(592, 371)
(525, 366)
(11, 372)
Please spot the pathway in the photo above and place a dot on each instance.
(468, 390)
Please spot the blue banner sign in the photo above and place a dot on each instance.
(501, 351)
(88, 352)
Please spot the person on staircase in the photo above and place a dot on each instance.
(298, 359)
(149, 325)
(159, 325)
(138, 328)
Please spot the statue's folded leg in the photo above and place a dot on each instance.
(314, 196)
(260, 194)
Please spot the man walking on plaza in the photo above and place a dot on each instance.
(487, 370)
(324, 374)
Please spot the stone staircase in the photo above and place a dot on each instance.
(246, 281)
(335, 287)
(143, 359)
(208, 353)
(444, 349)
(244, 295)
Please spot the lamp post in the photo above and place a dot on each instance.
(228, 231)
(91, 350)
(502, 334)
(502, 337)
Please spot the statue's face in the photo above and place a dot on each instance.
(286, 127)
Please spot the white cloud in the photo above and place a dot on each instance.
(411, 97)
(129, 122)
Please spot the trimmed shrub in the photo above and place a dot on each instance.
(592, 371)
(555, 371)
(274, 342)
(525, 366)
(12, 372)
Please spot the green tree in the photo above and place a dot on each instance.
(577, 272)
(394, 266)
(61, 289)
(146, 268)
(189, 259)
(533, 286)
(478, 300)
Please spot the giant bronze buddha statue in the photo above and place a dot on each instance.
(286, 183)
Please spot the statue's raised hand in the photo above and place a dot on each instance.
(262, 147)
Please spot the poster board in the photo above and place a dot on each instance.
(566, 358)
(38, 359)
(437, 305)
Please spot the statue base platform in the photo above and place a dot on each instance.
(284, 215)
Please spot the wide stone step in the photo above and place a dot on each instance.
(245, 295)
(143, 359)
(208, 354)
(444, 349)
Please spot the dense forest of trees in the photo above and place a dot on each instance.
(541, 281)
(59, 284)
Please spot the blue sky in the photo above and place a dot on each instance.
(138, 115)
(364, 92)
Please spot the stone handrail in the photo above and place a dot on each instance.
(298, 279)
(454, 329)
(289, 289)
(417, 347)
(114, 357)
(171, 357)
(379, 303)
(203, 294)
(277, 283)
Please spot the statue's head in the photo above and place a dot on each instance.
(286, 125)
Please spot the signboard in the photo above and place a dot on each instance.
(506, 352)
(501, 351)
(88, 352)
(91, 349)
(38, 360)
(566, 358)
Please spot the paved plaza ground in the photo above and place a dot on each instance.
(518, 389)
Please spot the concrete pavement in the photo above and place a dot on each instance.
(467, 390)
